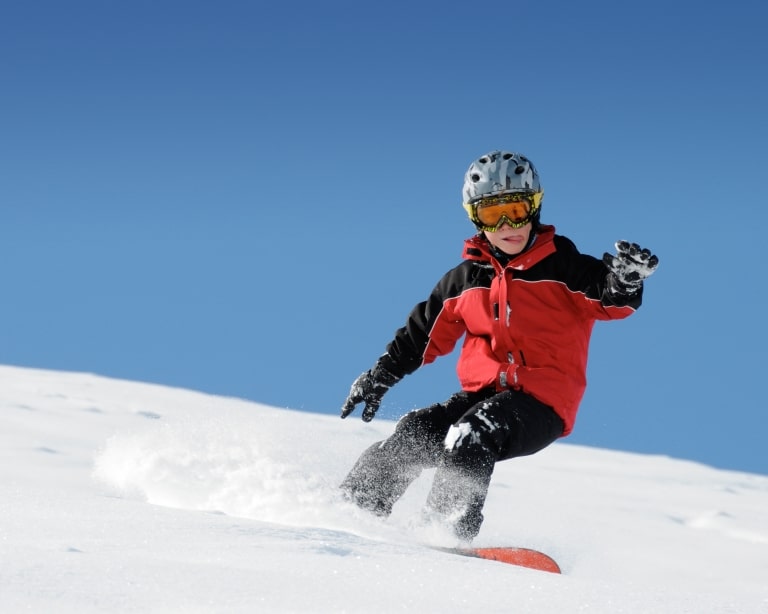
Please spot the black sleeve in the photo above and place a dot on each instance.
(405, 353)
(585, 273)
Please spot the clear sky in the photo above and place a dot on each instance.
(247, 198)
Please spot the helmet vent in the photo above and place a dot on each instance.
(519, 170)
(475, 177)
(508, 156)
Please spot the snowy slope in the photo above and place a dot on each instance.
(128, 497)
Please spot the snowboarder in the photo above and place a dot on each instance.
(525, 300)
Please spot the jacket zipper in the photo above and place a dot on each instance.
(507, 320)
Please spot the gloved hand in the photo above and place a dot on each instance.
(629, 267)
(369, 388)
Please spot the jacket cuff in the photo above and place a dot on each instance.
(619, 294)
(507, 377)
(382, 372)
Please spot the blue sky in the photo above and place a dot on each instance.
(248, 198)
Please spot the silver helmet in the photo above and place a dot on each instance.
(500, 172)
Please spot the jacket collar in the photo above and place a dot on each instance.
(477, 248)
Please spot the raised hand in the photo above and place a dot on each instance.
(629, 266)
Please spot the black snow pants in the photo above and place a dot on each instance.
(463, 437)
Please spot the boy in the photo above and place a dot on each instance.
(525, 301)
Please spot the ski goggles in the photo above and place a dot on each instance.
(515, 210)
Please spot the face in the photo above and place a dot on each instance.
(509, 240)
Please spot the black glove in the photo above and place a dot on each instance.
(368, 389)
(629, 267)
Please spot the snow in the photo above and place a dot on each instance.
(127, 497)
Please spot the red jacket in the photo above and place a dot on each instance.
(527, 323)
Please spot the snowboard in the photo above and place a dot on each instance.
(522, 557)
